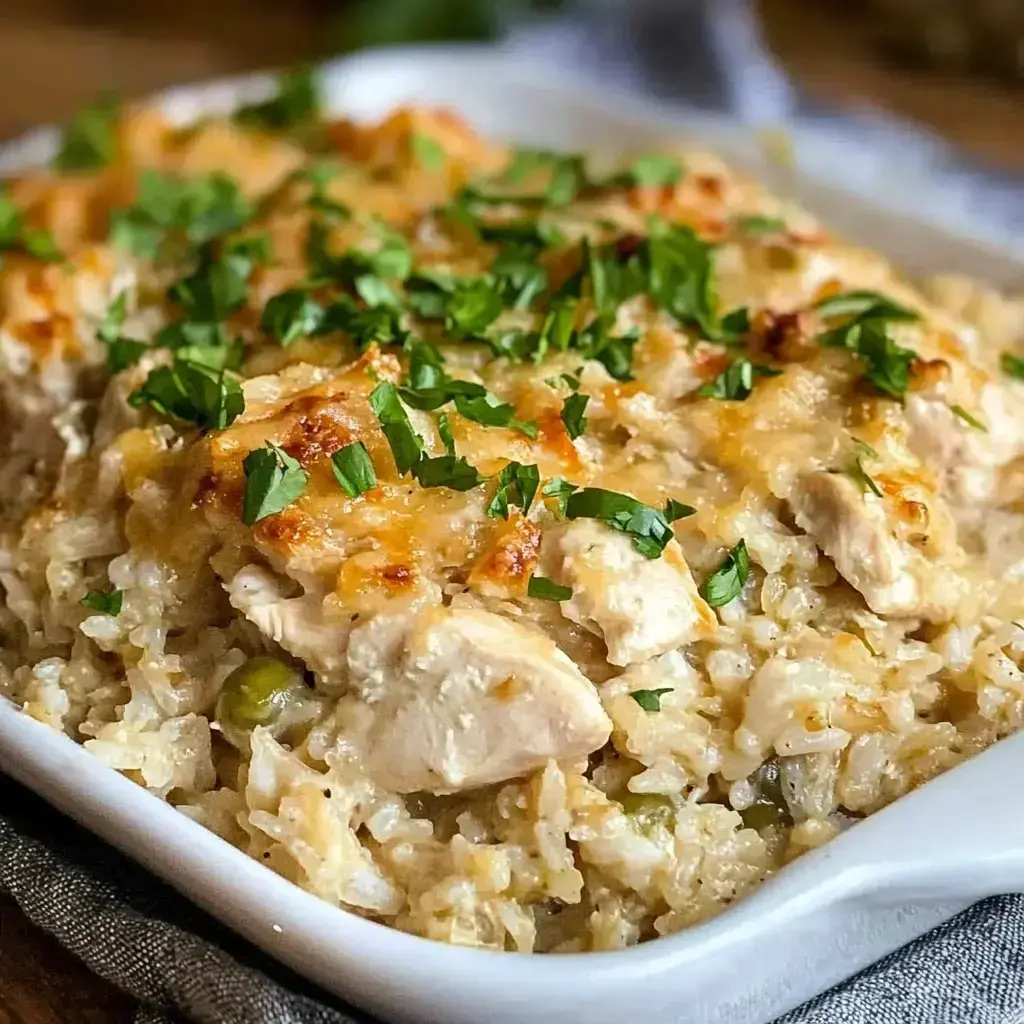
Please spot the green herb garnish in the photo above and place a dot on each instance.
(192, 391)
(106, 603)
(544, 589)
(972, 421)
(90, 140)
(573, 414)
(560, 490)
(427, 151)
(406, 444)
(516, 485)
(648, 527)
(291, 315)
(451, 471)
(1012, 366)
(758, 226)
(353, 469)
(736, 382)
(726, 582)
(273, 480)
(650, 700)
(296, 103)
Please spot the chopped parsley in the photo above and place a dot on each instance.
(650, 700)
(106, 603)
(444, 431)
(192, 391)
(427, 151)
(544, 589)
(16, 236)
(758, 226)
(193, 211)
(406, 444)
(90, 140)
(296, 103)
(1012, 366)
(353, 469)
(121, 352)
(677, 510)
(516, 485)
(451, 471)
(291, 315)
(467, 305)
(573, 414)
(736, 382)
(560, 491)
(860, 476)
(273, 480)
(215, 290)
(972, 421)
(863, 305)
(648, 527)
(654, 170)
(726, 582)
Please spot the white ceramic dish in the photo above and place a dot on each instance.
(874, 888)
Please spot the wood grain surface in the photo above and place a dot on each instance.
(52, 58)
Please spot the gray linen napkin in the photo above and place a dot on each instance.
(141, 935)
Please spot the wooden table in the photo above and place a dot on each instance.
(40, 983)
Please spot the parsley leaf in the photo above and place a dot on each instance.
(520, 278)
(273, 480)
(736, 382)
(888, 364)
(193, 210)
(447, 471)
(291, 315)
(862, 478)
(516, 485)
(114, 318)
(297, 102)
(756, 225)
(15, 236)
(653, 170)
(213, 292)
(1012, 366)
(106, 603)
(648, 527)
(444, 430)
(726, 582)
(864, 305)
(677, 510)
(353, 469)
(191, 391)
(560, 490)
(124, 352)
(972, 421)
(406, 444)
(573, 415)
(547, 590)
(90, 140)
(650, 700)
(427, 151)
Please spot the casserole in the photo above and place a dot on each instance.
(661, 1001)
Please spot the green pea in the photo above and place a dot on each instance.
(257, 693)
(770, 807)
(648, 809)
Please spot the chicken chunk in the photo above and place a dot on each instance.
(969, 458)
(642, 607)
(856, 532)
(451, 699)
(301, 625)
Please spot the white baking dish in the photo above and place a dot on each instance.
(874, 888)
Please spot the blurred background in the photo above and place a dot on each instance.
(876, 87)
(955, 65)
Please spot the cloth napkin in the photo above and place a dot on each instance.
(181, 965)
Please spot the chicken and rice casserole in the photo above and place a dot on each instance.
(519, 553)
